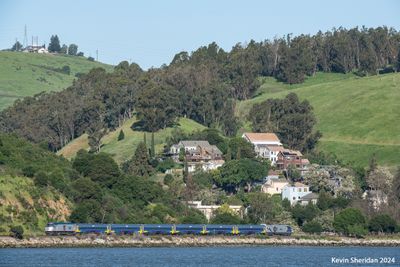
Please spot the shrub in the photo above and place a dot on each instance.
(165, 165)
(357, 230)
(66, 69)
(28, 171)
(345, 221)
(41, 179)
(121, 135)
(312, 227)
(226, 218)
(17, 231)
(168, 179)
(382, 223)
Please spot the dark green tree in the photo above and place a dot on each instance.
(349, 221)
(54, 45)
(398, 60)
(17, 46)
(72, 49)
(152, 146)
(262, 208)
(121, 135)
(168, 179)
(382, 223)
(64, 49)
(139, 165)
(236, 173)
(312, 227)
(240, 148)
(157, 106)
(292, 120)
(226, 218)
(87, 211)
(17, 231)
(101, 168)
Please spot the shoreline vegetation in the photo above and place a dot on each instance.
(191, 241)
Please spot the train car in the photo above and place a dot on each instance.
(96, 228)
(125, 229)
(221, 229)
(191, 229)
(60, 228)
(251, 229)
(157, 229)
(278, 229)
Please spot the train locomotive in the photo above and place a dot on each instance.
(62, 228)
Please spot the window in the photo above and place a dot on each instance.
(299, 190)
(294, 198)
(305, 189)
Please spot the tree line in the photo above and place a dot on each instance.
(203, 85)
(54, 47)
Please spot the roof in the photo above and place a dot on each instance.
(305, 161)
(309, 196)
(260, 137)
(275, 148)
(212, 149)
(291, 152)
(297, 184)
(196, 143)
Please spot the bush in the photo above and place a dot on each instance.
(312, 227)
(17, 231)
(349, 221)
(41, 179)
(121, 135)
(357, 230)
(66, 69)
(28, 171)
(168, 179)
(165, 165)
(91, 58)
(382, 224)
(226, 218)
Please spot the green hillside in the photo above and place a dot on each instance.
(26, 74)
(124, 149)
(23, 203)
(357, 116)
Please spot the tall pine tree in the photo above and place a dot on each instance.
(152, 146)
(54, 45)
(139, 165)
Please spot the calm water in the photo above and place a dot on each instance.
(210, 256)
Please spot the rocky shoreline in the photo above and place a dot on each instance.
(188, 241)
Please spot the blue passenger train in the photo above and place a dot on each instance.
(60, 228)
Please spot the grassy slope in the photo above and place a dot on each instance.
(26, 74)
(357, 116)
(22, 203)
(124, 149)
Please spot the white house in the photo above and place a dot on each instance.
(299, 193)
(266, 145)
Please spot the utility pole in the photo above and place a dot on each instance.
(25, 44)
(97, 54)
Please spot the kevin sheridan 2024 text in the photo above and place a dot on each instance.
(365, 260)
